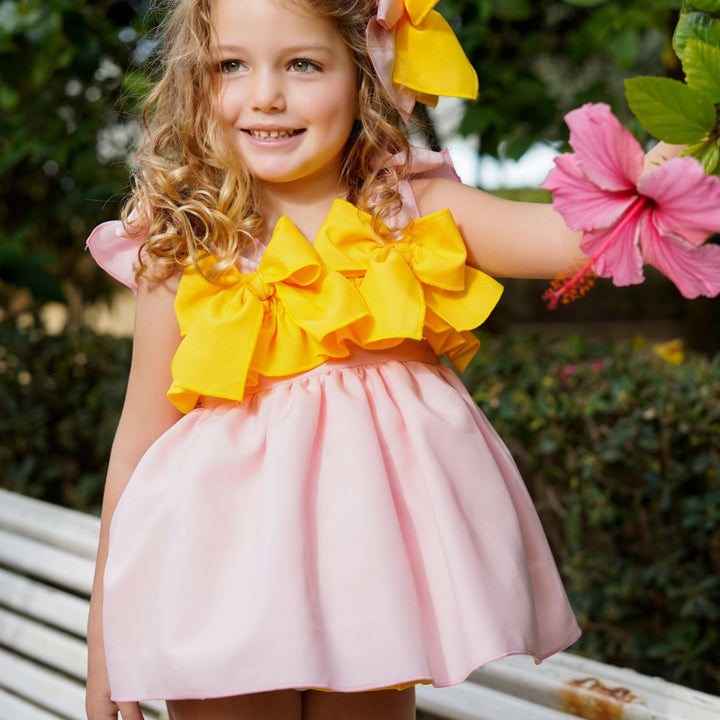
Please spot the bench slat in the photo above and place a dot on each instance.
(57, 546)
(52, 606)
(468, 701)
(42, 686)
(60, 527)
(56, 566)
(13, 708)
(663, 698)
(39, 642)
(51, 690)
(568, 681)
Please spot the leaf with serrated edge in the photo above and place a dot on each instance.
(710, 158)
(701, 64)
(670, 110)
(695, 26)
(586, 3)
(709, 6)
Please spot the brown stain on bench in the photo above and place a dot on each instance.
(591, 699)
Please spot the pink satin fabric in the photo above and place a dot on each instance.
(359, 526)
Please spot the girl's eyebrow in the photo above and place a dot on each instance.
(291, 49)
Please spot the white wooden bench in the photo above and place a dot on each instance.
(46, 569)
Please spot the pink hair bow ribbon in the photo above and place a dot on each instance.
(416, 54)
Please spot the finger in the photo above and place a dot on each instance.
(101, 709)
(130, 711)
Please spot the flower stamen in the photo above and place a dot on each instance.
(568, 289)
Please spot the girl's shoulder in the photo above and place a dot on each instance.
(504, 238)
(433, 194)
(116, 248)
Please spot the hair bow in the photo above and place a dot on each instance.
(416, 54)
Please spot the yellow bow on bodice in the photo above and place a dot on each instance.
(417, 287)
(278, 320)
(308, 303)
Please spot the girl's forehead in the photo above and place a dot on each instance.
(279, 16)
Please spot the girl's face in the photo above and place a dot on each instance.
(287, 90)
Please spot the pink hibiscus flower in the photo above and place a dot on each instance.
(627, 218)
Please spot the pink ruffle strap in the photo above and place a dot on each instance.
(115, 252)
(424, 163)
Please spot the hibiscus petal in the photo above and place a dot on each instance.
(695, 270)
(608, 153)
(621, 259)
(688, 200)
(583, 205)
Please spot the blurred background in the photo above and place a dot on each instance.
(610, 405)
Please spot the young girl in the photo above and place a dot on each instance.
(309, 513)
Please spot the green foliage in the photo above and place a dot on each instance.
(63, 137)
(618, 447)
(60, 401)
(620, 450)
(709, 6)
(538, 60)
(671, 110)
(71, 73)
(695, 26)
(702, 68)
(686, 112)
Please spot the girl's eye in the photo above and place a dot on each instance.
(231, 66)
(303, 66)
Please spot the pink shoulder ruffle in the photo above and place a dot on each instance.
(424, 163)
(115, 252)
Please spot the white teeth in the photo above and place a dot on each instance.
(272, 133)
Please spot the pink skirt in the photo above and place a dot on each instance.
(356, 527)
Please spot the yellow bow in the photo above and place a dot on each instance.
(428, 59)
(276, 321)
(414, 288)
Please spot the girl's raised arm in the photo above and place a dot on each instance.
(506, 238)
(147, 413)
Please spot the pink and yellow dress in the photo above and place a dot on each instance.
(332, 511)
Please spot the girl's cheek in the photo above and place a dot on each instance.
(227, 104)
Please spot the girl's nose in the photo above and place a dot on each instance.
(267, 92)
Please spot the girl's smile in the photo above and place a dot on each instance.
(287, 91)
(272, 133)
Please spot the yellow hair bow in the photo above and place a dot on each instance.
(416, 54)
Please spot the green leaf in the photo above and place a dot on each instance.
(695, 26)
(708, 6)
(695, 149)
(585, 3)
(670, 110)
(701, 63)
(710, 157)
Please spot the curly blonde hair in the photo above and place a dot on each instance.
(192, 196)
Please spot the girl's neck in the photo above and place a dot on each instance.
(306, 207)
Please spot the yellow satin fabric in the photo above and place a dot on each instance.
(279, 320)
(428, 56)
(419, 287)
(307, 303)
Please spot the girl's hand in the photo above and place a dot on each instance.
(130, 711)
(146, 415)
(98, 705)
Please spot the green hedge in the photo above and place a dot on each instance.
(60, 401)
(619, 448)
(621, 451)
